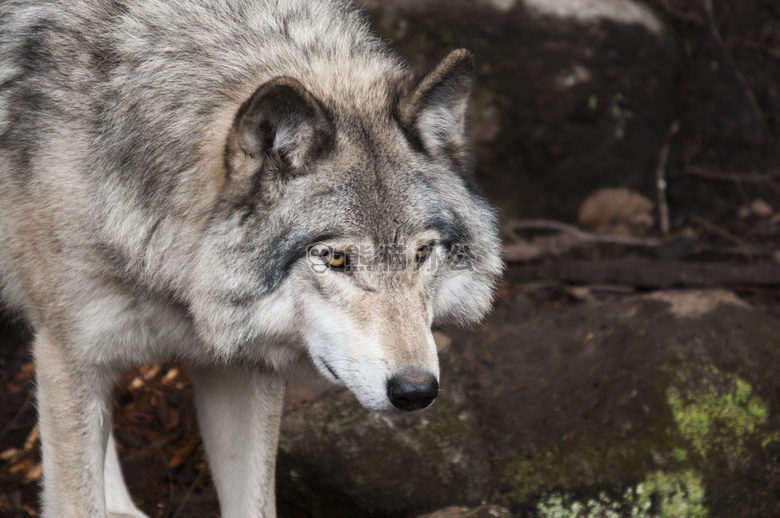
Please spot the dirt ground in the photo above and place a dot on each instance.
(724, 190)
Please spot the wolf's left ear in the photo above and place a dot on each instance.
(433, 113)
(279, 130)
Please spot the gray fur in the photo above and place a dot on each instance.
(164, 168)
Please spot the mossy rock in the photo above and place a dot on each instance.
(338, 459)
(665, 405)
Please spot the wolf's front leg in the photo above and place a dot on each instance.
(239, 413)
(75, 418)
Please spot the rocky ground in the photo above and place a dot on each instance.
(645, 405)
(630, 366)
(599, 403)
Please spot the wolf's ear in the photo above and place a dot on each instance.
(433, 113)
(279, 130)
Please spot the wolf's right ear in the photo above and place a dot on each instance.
(279, 130)
(433, 112)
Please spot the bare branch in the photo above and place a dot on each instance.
(660, 178)
(712, 227)
(649, 273)
(760, 177)
(773, 52)
(588, 237)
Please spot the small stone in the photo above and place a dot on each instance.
(485, 511)
(617, 210)
(761, 208)
(583, 74)
(503, 5)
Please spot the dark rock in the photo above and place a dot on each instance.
(663, 405)
(338, 459)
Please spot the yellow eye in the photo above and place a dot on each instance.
(335, 259)
(422, 253)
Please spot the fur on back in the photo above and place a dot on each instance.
(113, 180)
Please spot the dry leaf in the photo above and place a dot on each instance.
(183, 453)
(149, 372)
(10, 455)
(170, 376)
(27, 370)
(32, 438)
(137, 383)
(23, 465)
(173, 419)
(34, 473)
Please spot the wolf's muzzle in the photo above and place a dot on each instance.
(412, 391)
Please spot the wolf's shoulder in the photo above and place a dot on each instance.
(187, 28)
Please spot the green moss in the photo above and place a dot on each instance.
(714, 418)
(620, 114)
(680, 454)
(718, 413)
(679, 495)
(526, 476)
(615, 444)
(660, 495)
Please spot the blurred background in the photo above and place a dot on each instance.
(631, 367)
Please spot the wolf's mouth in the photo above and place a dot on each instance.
(330, 369)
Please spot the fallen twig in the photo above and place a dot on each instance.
(650, 274)
(188, 494)
(712, 227)
(588, 237)
(761, 177)
(529, 251)
(765, 177)
(755, 45)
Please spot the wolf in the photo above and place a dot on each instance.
(260, 188)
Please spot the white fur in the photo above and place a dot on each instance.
(239, 414)
(119, 504)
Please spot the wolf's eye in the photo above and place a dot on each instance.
(336, 260)
(422, 253)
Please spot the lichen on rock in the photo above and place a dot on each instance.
(718, 414)
(660, 495)
(659, 413)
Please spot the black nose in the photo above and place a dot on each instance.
(412, 391)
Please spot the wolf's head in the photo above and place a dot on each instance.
(349, 228)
